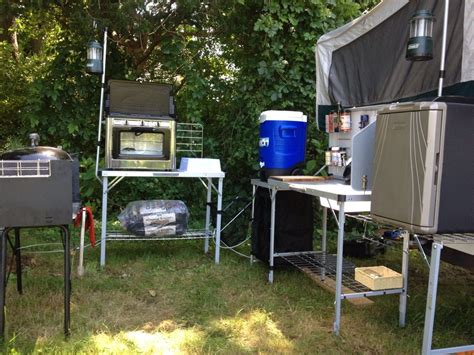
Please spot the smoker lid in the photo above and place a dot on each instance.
(36, 153)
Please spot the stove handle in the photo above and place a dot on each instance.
(142, 130)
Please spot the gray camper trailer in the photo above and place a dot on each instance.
(362, 64)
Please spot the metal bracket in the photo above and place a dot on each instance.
(418, 244)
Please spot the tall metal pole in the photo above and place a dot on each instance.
(101, 108)
(443, 48)
(103, 231)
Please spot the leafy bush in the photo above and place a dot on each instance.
(228, 60)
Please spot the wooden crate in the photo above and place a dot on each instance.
(378, 277)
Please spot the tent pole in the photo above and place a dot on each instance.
(443, 48)
(101, 106)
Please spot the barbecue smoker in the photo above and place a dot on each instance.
(37, 187)
(140, 126)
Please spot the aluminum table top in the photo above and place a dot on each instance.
(331, 189)
(158, 173)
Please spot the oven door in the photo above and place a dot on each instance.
(141, 143)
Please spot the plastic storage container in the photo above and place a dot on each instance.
(282, 142)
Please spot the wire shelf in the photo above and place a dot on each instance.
(22, 169)
(318, 264)
(189, 235)
(321, 265)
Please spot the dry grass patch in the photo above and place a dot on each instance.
(256, 331)
(166, 338)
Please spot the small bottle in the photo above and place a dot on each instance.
(335, 156)
(330, 126)
(327, 158)
(343, 155)
(345, 121)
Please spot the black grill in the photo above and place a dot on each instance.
(35, 194)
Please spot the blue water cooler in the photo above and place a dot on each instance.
(282, 142)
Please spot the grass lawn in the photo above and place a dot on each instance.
(168, 297)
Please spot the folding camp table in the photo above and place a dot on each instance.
(339, 197)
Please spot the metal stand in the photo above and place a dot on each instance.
(404, 295)
(67, 280)
(3, 281)
(443, 48)
(340, 246)
(3, 270)
(321, 264)
(101, 105)
(436, 250)
(17, 250)
(273, 193)
(205, 234)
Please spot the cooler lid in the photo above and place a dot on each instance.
(276, 115)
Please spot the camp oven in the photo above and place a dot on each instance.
(140, 143)
(140, 126)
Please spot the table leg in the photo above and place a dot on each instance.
(208, 214)
(19, 282)
(67, 281)
(431, 297)
(271, 261)
(404, 294)
(325, 230)
(340, 246)
(220, 188)
(103, 239)
(3, 271)
(324, 241)
(254, 189)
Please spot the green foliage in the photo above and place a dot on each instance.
(229, 60)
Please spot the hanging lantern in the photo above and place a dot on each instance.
(94, 58)
(420, 43)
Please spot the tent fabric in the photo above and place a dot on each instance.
(468, 48)
(363, 62)
(341, 36)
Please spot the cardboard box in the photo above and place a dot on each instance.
(378, 277)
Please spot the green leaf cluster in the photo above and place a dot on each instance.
(228, 60)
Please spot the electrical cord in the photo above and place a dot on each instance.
(53, 251)
(233, 248)
(236, 245)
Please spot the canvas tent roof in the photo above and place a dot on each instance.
(363, 62)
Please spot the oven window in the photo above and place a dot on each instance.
(142, 143)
